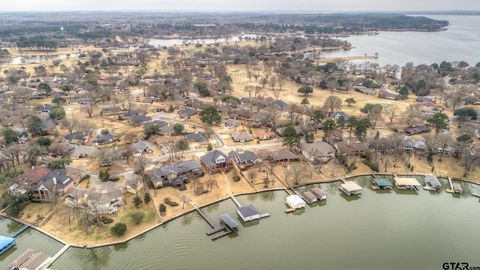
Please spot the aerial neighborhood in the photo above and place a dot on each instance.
(118, 135)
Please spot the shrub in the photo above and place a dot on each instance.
(137, 201)
(137, 217)
(236, 178)
(118, 229)
(146, 197)
(106, 220)
(162, 208)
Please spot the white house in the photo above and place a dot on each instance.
(295, 202)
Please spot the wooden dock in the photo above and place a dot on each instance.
(204, 216)
(451, 189)
(223, 230)
(19, 231)
(235, 201)
(59, 253)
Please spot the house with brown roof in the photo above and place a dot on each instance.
(241, 136)
(351, 147)
(263, 134)
(29, 179)
(281, 155)
(216, 161)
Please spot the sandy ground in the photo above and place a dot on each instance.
(59, 225)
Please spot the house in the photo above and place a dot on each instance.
(105, 201)
(351, 147)
(55, 183)
(104, 139)
(166, 130)
(216, 161)
(186, 112)
(75, 138)
(30, 260)
(432, 182)
(176, 174)
(44, 108)
(406, 183)
(388, 95)
(417, 130)
(298, 129)
(84, 151)
(231, 123)
(337, 115)
(248, 213)
(133, 185)
(243, 159)
(141, 147)
(263, 134)
(317, 151)
(365, 90)
(31, 178)
(138, 119)
(281, 155)
(281, 105)
(295, 202)
(241, 136)
(351, 188)
(415, 144)
(196, 137)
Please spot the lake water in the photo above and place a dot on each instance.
(460, 42)
(30, 59)
(206, 41)
(379, 230)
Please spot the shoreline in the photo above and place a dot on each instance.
(58, 239)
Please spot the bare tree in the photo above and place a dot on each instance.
(391, 112)
(332, 103)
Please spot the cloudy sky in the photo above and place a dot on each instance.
(239, 5)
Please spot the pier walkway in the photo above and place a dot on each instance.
(19, 231)
(203, 216)
(59, 253)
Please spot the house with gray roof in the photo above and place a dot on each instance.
(55, 183)
(320, 152)
(104, 201)
(176, 174)
(216, 161)
(196, 137)
(248, 213)
(186, 112)
(241, 136)
(141, 147)
(243, 159)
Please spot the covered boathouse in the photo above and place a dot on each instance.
(229, 222)
(431, 182)
(351, 188)
(382, 183)
(248, 213)
(406, 183)
(6, 243)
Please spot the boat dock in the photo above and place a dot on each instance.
(235, 201)
(203, 216)
(59, 253)
(19, 231)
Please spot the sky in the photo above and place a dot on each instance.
(239, 5)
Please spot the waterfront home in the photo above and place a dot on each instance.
(385, 94)
(6, 243)
(30, 260)
(319, 193)
(351, 147)
(216, 161)
(298, 129)
(29, 179)
(309, 197)
(281, 155)
(382, 183)
(241, 136)
(295, 202)
(55, 183)
(104, 201)
(418, 144)
(248, 213)
(406, 183)
(432, 182)
(229, 222)
(176, 174)
(351, 188)
(133, 185)
(320, 152)
(243, 159)
(138, 119)
(141, 147)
